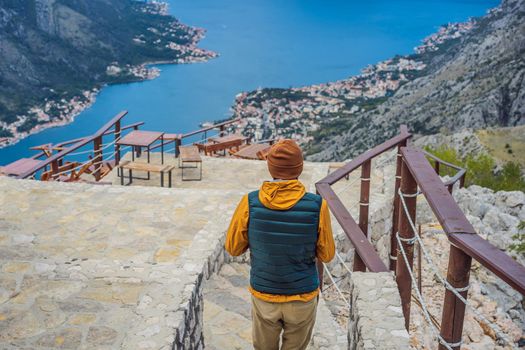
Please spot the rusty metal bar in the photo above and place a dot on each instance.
(70, 142)
(453, 309)
(116, 145)
(97, 152)
(54, 168)
(462, 180)
(363, 248)
(220, 125)
(364, 200)
(455, 224)
(395, 213)
(60, 155)
(178, 143)
(359, 160)
(408, 191)
(320, 269)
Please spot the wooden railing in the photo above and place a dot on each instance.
(55, 161)
(68, 148)
(60, 146)
(413, 171)
(465, 245)
(365, 255)
(221, 127)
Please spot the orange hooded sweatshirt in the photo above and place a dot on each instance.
(279, 195)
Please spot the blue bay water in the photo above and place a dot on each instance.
(262, 43)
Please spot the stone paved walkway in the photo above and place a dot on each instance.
(77, 260)
(220, 173)
(227, 314)
(107, 267)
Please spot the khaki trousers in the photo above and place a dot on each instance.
(295, 318)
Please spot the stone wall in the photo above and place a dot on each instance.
(189, 330)
(376, 318)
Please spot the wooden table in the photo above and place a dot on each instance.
(20, 166)
(139, 139)
(251, 151)
(227, 138)
(217, 144)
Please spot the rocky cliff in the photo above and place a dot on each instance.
(475, 81)
(52, 51)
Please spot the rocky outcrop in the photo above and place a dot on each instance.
(494, 215)
(44, 16)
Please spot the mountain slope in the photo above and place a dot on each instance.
(475, 81)
(54, 50)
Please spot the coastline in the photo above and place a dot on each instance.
(143, 72)
(301, 112)
(59, 111)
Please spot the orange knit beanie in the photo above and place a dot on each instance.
(285, 160)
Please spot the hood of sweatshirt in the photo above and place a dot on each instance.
(281, 195)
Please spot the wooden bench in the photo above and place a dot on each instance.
(190, 154)
(211, 148)
(130, 166)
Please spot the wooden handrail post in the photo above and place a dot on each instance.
(117, 146)
(436, 166)
(462, 180)
(458, 275)
(395, 211)
(178, 143)
(97, 151)
(54, 168)
(408, 189)
(319, 265)
(364, 200)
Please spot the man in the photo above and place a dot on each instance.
(286, 229)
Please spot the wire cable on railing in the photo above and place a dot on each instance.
(90, 162)
(104, 146)
(75, 168)
(426, 313)
(347, 186)
(343, 262)
(430, 261)
(335, 285)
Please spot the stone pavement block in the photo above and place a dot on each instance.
(122, 265)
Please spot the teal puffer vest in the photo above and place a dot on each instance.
(282, 246)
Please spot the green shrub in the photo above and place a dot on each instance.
(519, 247)
(481, 170)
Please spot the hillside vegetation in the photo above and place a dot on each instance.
(482, 169)
(54, 50)
(506, 144)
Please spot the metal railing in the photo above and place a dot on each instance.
(58, 166)
(56, 161)
(413, 172)
(365, 255)
(465, 245)
(221, 127)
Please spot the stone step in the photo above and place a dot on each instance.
(227, 314)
